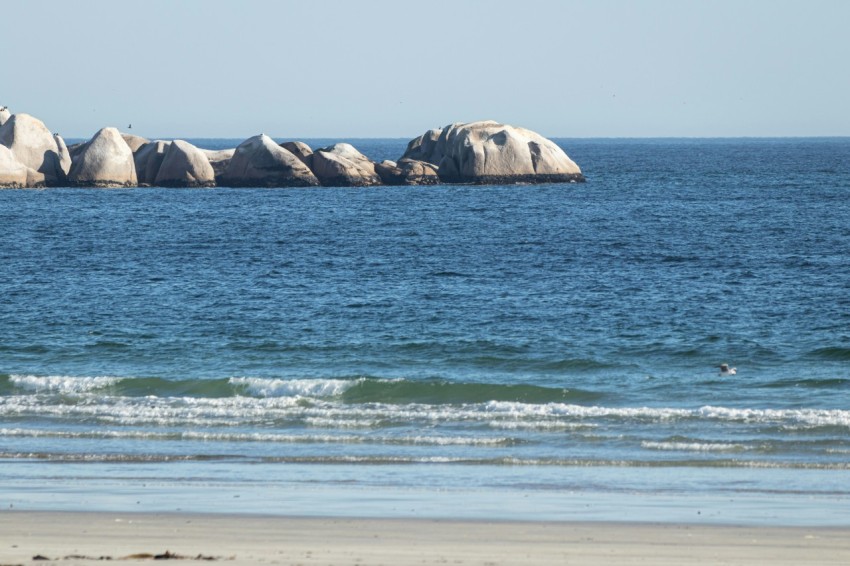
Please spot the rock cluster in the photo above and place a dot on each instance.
(476, 152)
(492, 153)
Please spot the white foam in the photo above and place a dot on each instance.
(264, 387)
(791, 418)
(312, 403)
(695, 446)
(549, 426)
(794, 418)
(61, 383)
(454, 441)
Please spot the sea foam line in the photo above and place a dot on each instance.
(231, 411)
(695, 446)
(420, 440)
(375, 460)
(61, 383)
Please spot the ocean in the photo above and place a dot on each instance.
(540, 352)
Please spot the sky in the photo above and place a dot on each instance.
(338, 68)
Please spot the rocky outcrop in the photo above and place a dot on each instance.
(13, 173)
(493, 153)
(477, 152)
(341, 165)
(300, 150)
(105, 161)
(33, 146)
(260, 162)
(407, 172)
(148, 159)
(184, 165)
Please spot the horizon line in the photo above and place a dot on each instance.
(315, 137)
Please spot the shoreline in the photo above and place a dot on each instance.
(85, 537)
(449, 493)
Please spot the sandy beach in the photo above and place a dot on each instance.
(82, 538)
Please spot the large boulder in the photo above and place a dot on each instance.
(300, 150)
(4, 114)
(105, 161)
(341, 165)
(425, 148)
(389, 172)
(220, 160)
(13, 173)
(260, 162)
(135, 142)
(33, 145)
(492, 153)
(408, 172)
(184, 165)
(148, 159)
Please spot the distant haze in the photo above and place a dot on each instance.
(394, 69)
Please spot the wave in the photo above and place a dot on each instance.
(261, 387)
(811, 383)
(58, 383)
(348, 390)
(337, 414)
(440, 392)
(370, 403)
(118, 386)
(833, 353)
(695, 446)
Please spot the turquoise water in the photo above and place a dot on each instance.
(433, 350)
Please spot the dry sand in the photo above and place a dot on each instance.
(84, 538)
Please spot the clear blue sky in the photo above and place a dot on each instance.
(334, 68)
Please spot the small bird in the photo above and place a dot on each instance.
(726, 370)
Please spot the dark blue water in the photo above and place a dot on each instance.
(550, 327)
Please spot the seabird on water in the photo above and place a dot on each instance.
(726, 370)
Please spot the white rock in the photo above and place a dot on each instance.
(490, 152)
(219, 159)
(148, 159)
(408, 172)
(300, 150)
(260, 162)
(33, 145)
(341, 165)
(4, 115)
(185, 165)
(104, 161)
(13, 174)
(135, 142)
(424, 148)
(64, 155)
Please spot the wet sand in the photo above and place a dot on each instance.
(83, 538)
